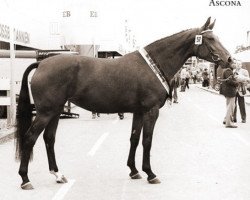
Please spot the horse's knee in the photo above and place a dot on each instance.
(146, 143)
(134, 140)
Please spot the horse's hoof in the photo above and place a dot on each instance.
(154, 181)
(62, 180)
(27, 186)
(135, 176)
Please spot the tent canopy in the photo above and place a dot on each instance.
(244, 56)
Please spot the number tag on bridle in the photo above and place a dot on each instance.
(198, 39)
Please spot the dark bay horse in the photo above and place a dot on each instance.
(126, 84)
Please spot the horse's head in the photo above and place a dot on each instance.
(208, 47)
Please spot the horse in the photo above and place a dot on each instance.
(123, 85)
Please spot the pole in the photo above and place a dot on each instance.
(93, 15)
(11, 118)
(94, 47)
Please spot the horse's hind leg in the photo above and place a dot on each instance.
(31, 136)
(134, 140)
(49, 139)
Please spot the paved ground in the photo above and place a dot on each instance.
(6, 134)
(193, 154)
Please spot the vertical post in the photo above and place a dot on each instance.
(93, 15)
(248, 38)
(11, 115)
(94, 47)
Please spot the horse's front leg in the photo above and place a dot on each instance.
(134, 141)
(149, 120)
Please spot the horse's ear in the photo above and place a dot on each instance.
(211, 26)
(206, 25)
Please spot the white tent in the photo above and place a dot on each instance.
(244, 56)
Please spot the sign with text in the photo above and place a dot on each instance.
(93, 13)
(19, 35)
(198, 39)
(66, 13)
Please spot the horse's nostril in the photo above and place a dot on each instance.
(229, 60)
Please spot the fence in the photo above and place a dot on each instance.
(4, 97)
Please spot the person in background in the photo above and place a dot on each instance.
(183, 75)
(211, 78)
(174, 84)
(121, 116)
(242, 76)
(194, 76)
(205, 76)
(228, 89)
(94, 114)
(199, 76)
(187, 79)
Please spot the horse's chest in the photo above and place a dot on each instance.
(152, 100)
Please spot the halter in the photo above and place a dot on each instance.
(198, 42)
(155, 69)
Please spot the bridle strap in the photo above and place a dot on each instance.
(209, 49)
(155, 69)
(212, 53)
(208, 30)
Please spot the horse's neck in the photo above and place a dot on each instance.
(171, 53)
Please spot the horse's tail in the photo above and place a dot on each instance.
(24, 112)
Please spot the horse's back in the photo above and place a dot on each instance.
(78, 78)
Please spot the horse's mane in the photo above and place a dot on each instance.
(178, 33)
(170, 36)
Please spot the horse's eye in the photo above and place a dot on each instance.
(215, 57)
(211, 39)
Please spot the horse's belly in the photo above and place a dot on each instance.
(105, 105)
(112, 103)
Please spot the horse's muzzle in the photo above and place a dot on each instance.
(230, 62)
(226, 63)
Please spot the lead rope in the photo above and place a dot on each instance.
(223, 80)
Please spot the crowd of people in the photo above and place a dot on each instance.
(234, 84)
(185, 76)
